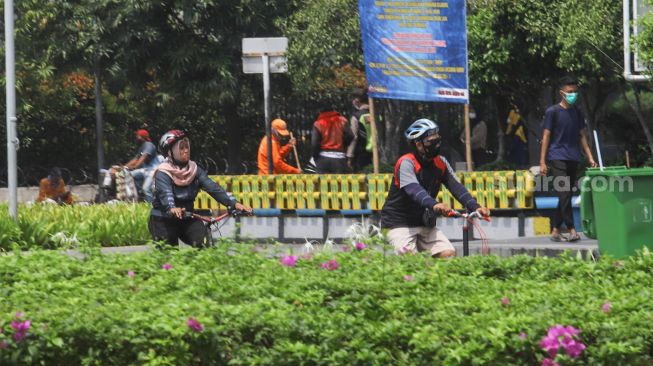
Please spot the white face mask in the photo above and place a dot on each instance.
(472, 115)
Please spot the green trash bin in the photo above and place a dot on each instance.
(617, 209)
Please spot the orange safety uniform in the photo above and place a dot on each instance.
(46, 190)
(279, 153)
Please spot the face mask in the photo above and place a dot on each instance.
(570, 98)
(472, 116)
(283, 140)
(433, 149)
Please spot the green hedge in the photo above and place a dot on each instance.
(51, 226)
(246, 308)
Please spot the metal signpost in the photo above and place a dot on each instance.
(12, 139)
(263, 56)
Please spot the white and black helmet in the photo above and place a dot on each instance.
(421, 128)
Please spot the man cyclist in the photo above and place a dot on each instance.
(143, 163)
(410, 208)
(176, 184)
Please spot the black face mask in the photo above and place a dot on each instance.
(432, 149)
(283, 140)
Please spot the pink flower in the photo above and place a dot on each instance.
(408, 278)
(19, 314)
(574, 348)
(330, 265)
(405, 250)
(550, 345)
(131, 274)
(606, 307)
(562, 336)
(195, 325)
(523, 335)
(505, 301)
(549, 362)
(360, 246)
(21, 329)
(167, 266)
(289, 260)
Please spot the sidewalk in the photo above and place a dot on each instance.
(533, 246)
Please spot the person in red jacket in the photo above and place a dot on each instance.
(329, 139)
(281, 146)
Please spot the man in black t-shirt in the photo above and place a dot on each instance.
(563, 136)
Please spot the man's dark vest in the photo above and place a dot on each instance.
(399, 209)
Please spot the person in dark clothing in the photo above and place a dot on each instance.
(410, 208)
(176, 184)
(478, 138)
(359, 151)
(517, 136)
(328, 141)
(563, 136)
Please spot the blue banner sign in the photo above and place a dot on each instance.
(415, 50)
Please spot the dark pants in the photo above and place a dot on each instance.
(331, 165)
(564, 169)
(191, 231)
(479, 156)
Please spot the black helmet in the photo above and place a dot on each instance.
(170, 138)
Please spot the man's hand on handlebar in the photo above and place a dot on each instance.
(241, 207)
(442, 208)
(177, 212)
(483, 212)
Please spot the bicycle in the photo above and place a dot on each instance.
(467, 229)
(210, 221)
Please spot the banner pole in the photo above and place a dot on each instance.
(468, 138)
(375, 148)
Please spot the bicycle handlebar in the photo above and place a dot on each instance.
(475, 214)
(212, 220)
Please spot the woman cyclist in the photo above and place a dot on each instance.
(176, 184)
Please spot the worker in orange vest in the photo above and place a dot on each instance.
(281, 146)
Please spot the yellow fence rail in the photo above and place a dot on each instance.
(495, 190)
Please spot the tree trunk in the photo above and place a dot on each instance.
(99, 120)
(391, 128)
(502, 110)
(233, 131)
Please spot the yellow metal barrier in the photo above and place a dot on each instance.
(495, 190)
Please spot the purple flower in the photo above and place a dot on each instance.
(346, 248)
(167, 266)
(21, 326)
(606, 307)
(360, 246)
(408, 278)
(562, 336)
(549, 362)
(131, 274)
(289, 260)
(195, 325)
(550, 345)
(505, 301)
(571, 330)
(4, 345)
(21, 329)
(574, 348)
(405, 250)
(330, 265)
(523, 336)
